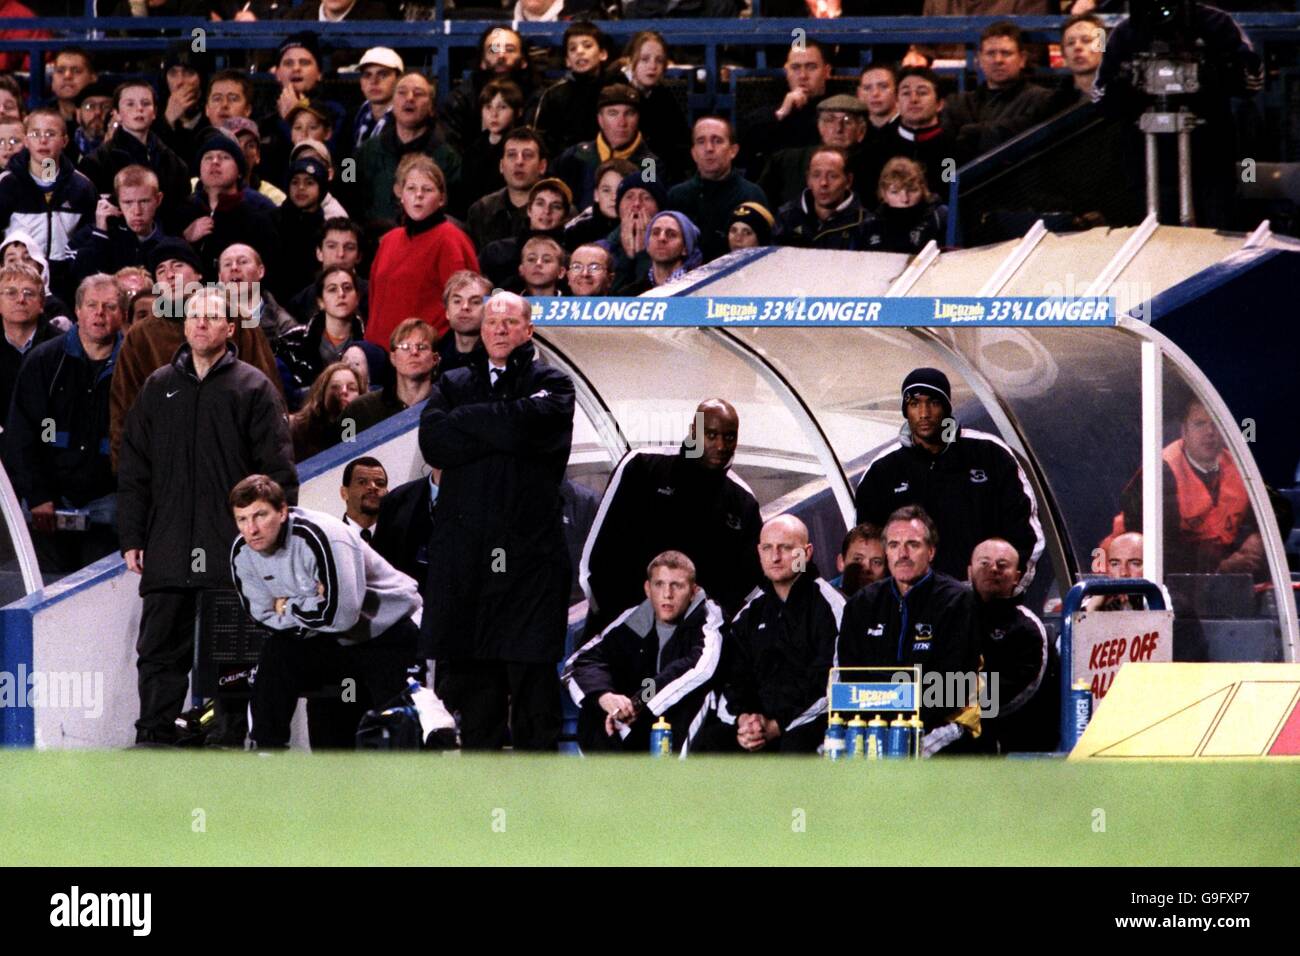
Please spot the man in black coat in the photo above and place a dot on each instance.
(1004, 104)
(64, 383)
(404, 525)
(919, 617)
(1020, 663)
(497, 608)
(967, 481)
(657, 660)
(689, 501)
(199, 426)
(778, 653)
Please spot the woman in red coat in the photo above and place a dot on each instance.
(415, 259)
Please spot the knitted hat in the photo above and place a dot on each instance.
(690, 234)
(218, 140)
(757, 217)
(173, 249)
(931, 381)
(637, 181)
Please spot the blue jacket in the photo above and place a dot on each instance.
(58, 381)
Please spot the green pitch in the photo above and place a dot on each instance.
(146, 807)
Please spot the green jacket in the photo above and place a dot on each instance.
(377, 169)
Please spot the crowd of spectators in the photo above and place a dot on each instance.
(251, 290)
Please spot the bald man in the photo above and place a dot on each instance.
(772, 693)
(240, 268)
(1119, 557)
(1020, 663)
(687, 500)
(497, 604)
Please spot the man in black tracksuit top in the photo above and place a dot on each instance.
(198, 426)
(496, 609)
(656, 660)
(1020, 663)
(778, 652)
(972, 486)
(918, 616)
(691, 502)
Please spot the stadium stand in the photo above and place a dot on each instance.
(1050, 210)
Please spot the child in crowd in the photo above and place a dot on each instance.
(909, 215)
(415, 259)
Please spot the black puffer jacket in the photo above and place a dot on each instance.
(498, 568)
(188, 441)
(125, 150)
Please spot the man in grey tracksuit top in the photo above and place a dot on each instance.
(339, 609)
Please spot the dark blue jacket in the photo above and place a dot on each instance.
(58, 382)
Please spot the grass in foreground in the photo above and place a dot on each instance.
(145, 807)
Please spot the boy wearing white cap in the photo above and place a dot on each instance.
(380, 67)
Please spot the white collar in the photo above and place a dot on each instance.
(323, 17)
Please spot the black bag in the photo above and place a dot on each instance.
(396, 727)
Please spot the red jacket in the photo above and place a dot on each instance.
(12, 60)
(409, 272)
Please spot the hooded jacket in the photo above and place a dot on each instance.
(187, 442)
(659, 500)
(50, 216)
(974, 489)
(59, 382)
(627, 655)
(778, 654)
(498, 567)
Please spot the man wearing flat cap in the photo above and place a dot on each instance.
(968, 481)
(841, 122)
(618, 117)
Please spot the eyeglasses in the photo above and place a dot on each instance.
(90, 107)
(45, 134)
(591, 268)
(11, 141)
(13, 292)
(419, 348)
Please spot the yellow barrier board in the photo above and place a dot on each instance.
(1187, 711)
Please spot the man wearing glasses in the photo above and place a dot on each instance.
(591, 270)
(43, 195)
(22, 297)
(414, 359)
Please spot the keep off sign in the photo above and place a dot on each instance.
(1104, 641)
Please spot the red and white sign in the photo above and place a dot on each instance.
(1104, 641)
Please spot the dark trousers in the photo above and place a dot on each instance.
(332, 721)
(291, 666)
(719, 737)
(489, 695)
(593, 739)
(166, 652)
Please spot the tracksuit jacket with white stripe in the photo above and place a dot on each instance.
(335, 583)
(974, 490)
(658, 500)
(778, 653)
(626, 655)
(48, 216)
